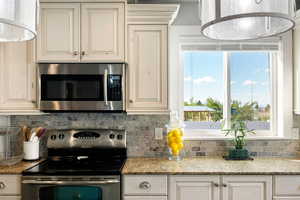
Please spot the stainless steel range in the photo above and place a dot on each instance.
(81, 165)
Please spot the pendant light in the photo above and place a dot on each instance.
(246, 19)
(17, 20)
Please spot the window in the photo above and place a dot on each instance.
(214, 78)
(212, 82)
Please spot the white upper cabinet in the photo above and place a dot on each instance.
(103, 29)
(194, 188)
(148, 68)
(17, 77)
(247, 187)
(81, 32)
(59, 32)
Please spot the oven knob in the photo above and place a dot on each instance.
(120, 137)
(53, 137)
(61, 136)
(112, 136)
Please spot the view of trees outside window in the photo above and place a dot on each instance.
(204, 89)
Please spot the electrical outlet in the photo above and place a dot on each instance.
(159, 133)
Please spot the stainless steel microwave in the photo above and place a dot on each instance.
(82, 87)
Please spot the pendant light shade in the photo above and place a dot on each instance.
(246, 19)
(17, 20)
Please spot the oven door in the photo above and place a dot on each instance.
(65, 188)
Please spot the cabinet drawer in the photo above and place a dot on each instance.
(286, 198)
(10, 197)
(287, 185)
(145, 198)
(10, 185)
(145, 185)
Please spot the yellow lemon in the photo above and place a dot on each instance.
(178, 140)
(175, 152)
(174, 146)
(177, 133)
(172, 139)
(180, 145)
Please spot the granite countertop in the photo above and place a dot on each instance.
(213, 165)
(18, 168)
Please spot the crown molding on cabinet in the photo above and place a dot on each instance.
(151, 13)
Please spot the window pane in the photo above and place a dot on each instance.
(203, 89)
(251, 88)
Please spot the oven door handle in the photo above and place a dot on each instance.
(58, 182)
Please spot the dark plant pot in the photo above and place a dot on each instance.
(238, 154)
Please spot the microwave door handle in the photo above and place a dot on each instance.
(105, 86)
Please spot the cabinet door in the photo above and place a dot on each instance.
(18, 77)
(103, 32)
(247, 187)
(58, 34)
(148, 68)
(194, 188)
(10, 197)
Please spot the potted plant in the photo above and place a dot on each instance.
(239, 131)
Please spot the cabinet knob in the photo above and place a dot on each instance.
(224, 185)
(216, 184)
(2, 185)
(83, 53)
(75, 53)
(130, 101)
(145, 185)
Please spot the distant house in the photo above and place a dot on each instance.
(197, 113)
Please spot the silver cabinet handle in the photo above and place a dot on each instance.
(145, 185)
(75, 53)
(2, 186)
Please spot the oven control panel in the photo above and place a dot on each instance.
(91, 138)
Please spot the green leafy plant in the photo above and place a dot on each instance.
(239, 131)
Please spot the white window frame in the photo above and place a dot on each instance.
(282, 89)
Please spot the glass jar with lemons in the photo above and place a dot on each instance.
(175, 132)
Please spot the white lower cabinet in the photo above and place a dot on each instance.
(286, 187)
(10, 187)
(194, 187)
(145, 187)
(211, 187)
(247, 187)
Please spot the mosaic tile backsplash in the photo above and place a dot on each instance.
(140, 134)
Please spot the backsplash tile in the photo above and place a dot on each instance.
(140, 134)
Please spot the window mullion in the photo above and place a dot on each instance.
(227, 96)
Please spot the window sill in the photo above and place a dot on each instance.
(205, 135)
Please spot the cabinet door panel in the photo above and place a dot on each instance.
(194, 188)
(247, 187)
(58, 38)
(18, 76)
(145, 198)
(103, 29)
(148, 68)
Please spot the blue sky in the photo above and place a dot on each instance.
(249, 76)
